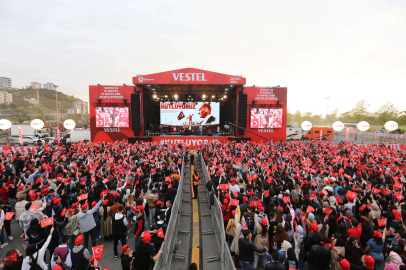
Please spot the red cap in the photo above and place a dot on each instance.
(370, 261)
(79, 240)
(264, 222)
(125, 248)
(146, 238)
(84, 206)
(345, 265)
(315, 227)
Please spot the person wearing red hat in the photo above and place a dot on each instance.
(87, 224)
(126, 257)
(80, 255)
(145, 252)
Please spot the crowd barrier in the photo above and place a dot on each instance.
(218, 225)
(167, 247)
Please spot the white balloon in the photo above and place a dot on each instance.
(391, 125)
(306, 125)
(69, 124)
(37, 124)
(338, 126)
(363, 126)
(5, 124)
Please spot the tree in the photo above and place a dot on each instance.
(386, 112)
(360, 111)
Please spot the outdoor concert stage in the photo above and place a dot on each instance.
(183, 99)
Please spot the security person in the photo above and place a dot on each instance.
(195, 183)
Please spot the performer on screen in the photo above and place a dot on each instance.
(205, 112)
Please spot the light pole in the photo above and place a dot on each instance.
(56, 103)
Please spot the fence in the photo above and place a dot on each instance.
(167, 247)
(218, 225)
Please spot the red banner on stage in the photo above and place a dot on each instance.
(188, 76)
(190, 141)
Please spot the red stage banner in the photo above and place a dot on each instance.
(189, 76)
(191, 142)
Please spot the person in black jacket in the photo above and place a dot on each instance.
(319, 255)
(246, 249)
(275, 264)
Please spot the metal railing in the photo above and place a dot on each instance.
(167, 247)
(218, 225)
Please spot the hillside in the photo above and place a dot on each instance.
(46, 99)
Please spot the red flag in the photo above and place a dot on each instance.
(98, 252)
(34, 207)
(234, 202)
(47, 222)
(328, 211)
(382, 222)
(9, 215)
(309, 209)
(160, 233)
(12, 257)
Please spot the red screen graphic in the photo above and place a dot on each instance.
(266, 118)
(112, 117)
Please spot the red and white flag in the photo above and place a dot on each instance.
(47, 222)
(11, 257)
(160, 233)
(98, 252)
(20, 135)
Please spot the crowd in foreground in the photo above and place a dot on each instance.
(330, 206)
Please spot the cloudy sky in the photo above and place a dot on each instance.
(345, 50)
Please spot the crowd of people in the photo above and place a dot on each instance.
(285, 205)
(65, 196)
(330, 206)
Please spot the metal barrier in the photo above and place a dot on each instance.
(217, 218)
(167, 247)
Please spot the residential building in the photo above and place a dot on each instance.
(36, 85)
(49, 86)
(81, 107)
(6, 98)
(5, 83)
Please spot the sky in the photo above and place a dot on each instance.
(345, 50)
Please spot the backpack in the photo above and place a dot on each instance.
(34, 265)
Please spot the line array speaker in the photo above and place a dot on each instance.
(242, 112)
(136, 113)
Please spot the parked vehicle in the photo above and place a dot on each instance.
(293, 133)
(314, 133)
(27, 130)
(75, 136)
(13, 141)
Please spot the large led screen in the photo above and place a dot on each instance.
(190, 113)
(266, 118)
(112, 117)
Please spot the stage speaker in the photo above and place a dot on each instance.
(136, 113)
(242, 113)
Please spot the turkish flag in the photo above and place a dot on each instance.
(12, 257)
(234, 202)
(286, 199)
(47, 222)
(328, 211)
(34, 207)
(398, 196)
(160, 233)
(9, 215)
(63, 212)
(382, 222)
(253, 203)
(309, 209)
(98, 252)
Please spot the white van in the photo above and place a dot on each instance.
(75, 136)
